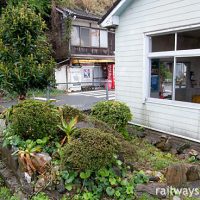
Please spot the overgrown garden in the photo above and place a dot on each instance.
(80, 157)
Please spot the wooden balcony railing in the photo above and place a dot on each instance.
(91, 51)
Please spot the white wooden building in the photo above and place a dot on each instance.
(158, 63)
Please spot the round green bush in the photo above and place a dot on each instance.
(34, 119)
(115, 113)
(91, 149)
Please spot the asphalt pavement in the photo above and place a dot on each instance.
(80, 100)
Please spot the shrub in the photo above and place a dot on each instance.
(115, 113)
(34, 119)
(70, 112)
(90, 149)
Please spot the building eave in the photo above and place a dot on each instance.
(67, 12)
(111, 18)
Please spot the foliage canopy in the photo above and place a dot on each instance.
(25, 55)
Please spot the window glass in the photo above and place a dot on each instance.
(103, 39)
(75, 37)
(188, 40)
(161, 78)
(188, 79)
(95, 37)
(163, 43)
(185, 84)
(85, 37)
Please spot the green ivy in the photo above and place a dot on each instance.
(105, 182)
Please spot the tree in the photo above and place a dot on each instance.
(38, 6)
(25, 55)
(94, 6)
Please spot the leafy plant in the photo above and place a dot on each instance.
(24, 155)
(192, 159)
(68, 128)
(90, 149)
(40, 196)
(34, 120)
(114, 113)
(140, 178)
(5, 194)
(105, 182)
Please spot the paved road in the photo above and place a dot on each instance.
(81, 100)
(84, 100)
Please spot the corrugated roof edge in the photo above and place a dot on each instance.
(81, 14)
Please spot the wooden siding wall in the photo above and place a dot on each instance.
(146, 16)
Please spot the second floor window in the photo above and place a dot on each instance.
(89, 37)
(85, 37)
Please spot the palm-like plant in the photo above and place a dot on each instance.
(68, 128)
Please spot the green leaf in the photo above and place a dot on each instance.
(124, 182)
(68, 187)
(119, 162)
(110, 191)
(85, 175)
(112, 181)
(117, 193)
(65, 175)
(130, 189)
(104, 172)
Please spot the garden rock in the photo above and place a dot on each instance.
(61, 187)
(154, 176)
(40, 184)
(176, 175)
(183, 147)
(40, 161)
(174, 151)
(27, 177)
(152, 189)
(198, 157)
(141, 134)
(193, 173)
(154, 179)
(164, 143)
(193, 152)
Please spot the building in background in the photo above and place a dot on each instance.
(89, 55)
(158, 63)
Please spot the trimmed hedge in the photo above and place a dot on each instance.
(90, 149)
(32, 119)
(114, 113)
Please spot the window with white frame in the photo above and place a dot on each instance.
(175, 66)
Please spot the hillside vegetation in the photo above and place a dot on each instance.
(95, 6)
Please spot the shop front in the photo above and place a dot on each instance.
(95, 73)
